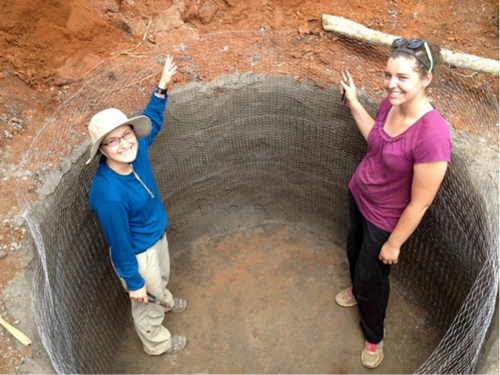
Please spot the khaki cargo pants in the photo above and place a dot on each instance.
(154, 267)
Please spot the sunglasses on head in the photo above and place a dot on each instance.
(414, 44)
(408, 43)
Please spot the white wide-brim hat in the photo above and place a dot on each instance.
(108, 120)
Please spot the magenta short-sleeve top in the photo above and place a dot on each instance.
(381, 185)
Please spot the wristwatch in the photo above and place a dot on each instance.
(159, 90)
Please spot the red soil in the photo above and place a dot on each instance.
(48, 45)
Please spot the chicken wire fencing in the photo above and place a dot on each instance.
(254, 134)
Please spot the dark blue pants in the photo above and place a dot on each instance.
(369, 276)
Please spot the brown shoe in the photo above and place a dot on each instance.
(345, 298)
(373, 354)
(177, 344)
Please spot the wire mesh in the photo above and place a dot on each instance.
(256, 133)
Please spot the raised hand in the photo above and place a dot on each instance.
(347, 87)
(169, 71)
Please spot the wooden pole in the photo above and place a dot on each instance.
(23, 339)
(355, 30)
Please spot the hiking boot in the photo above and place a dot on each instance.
(177, 344)
(345, 298)
(373, 354)
(179, 305)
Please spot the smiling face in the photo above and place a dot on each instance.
(121, 154)
(403, 83)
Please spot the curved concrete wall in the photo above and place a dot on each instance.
(236, 153)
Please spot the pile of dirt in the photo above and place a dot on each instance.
(49, 45)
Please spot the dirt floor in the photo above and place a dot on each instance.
(48, 46)
(262, 301)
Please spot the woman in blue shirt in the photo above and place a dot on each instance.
(125, 198)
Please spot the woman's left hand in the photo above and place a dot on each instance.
(389, 254)
(168, 72)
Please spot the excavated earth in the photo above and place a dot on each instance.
(48, 46)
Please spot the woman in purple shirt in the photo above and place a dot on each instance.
(409, 148)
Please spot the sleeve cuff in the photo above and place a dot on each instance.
(154, 97)
(134, 283)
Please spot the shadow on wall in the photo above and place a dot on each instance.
(264, 149)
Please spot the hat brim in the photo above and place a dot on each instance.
(142, 128)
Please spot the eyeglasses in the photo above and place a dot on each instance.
(112, 142)
(414, 44)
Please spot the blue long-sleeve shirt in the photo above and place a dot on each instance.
(132, 220)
